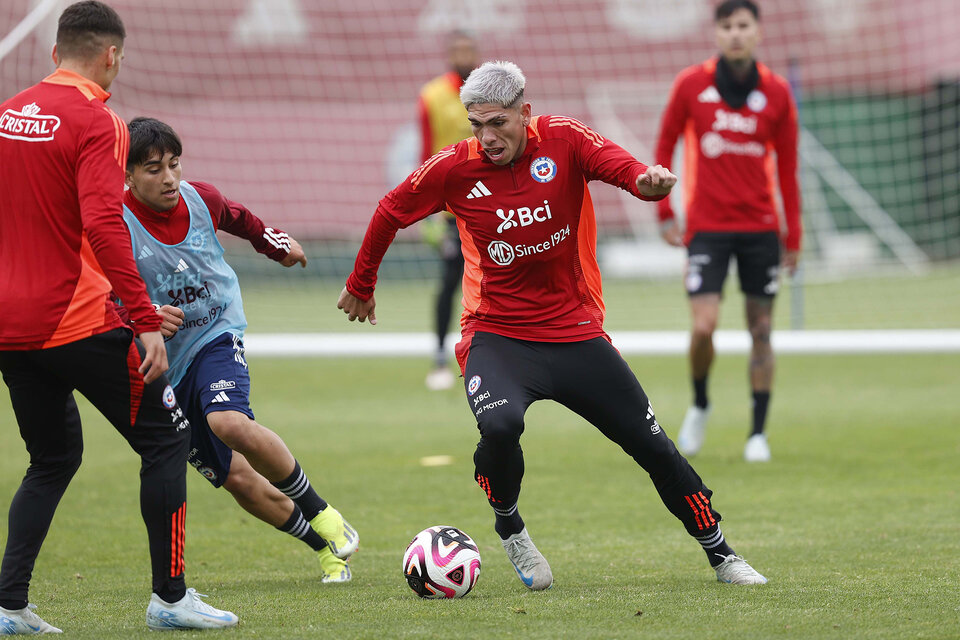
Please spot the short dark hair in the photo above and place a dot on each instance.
(149, 136)
(725, 9)
(460, 34)
(86, 27)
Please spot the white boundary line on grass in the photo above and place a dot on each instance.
(371, 343)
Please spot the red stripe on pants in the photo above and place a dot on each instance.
(177, 529)
(707, 516)
(696, 512)
(136, 381)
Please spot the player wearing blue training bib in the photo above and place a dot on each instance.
(173, 226)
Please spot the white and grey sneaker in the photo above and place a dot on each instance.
(190, 612)
(531, 566)
(15, 622)
(693, 431)
(440, 379)
(735, 570)
(757, 449)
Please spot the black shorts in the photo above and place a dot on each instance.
(216, 380)
(503, 376)
(758, 262)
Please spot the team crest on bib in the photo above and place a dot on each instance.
(169, 400)
(756, 101)
(543, 169)
(473, 385)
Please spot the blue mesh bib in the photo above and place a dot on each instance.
(193, 276)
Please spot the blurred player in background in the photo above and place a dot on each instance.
(173, 227)
(733, 113)
(443, 121)
(533, 326)
(63, 247)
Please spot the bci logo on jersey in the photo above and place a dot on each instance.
(525, 216)
(732, 121)
(543, 169)
(27, 125)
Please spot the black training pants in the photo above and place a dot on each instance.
(504, 376)
(104, 369)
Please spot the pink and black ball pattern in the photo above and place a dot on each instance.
(441, 562)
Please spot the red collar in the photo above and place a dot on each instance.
(145, 212)
(72, 79)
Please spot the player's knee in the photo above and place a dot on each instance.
(240, 483)
(500, 428)
(657, 456)
(70, 463)
(235, 429)
(58, 469)
(760, 330)
(704, 327)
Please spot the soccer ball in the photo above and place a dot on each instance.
(441, 562)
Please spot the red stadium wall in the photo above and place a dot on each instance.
(296, 107)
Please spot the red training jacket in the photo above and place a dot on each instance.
(729, 170)
(63, 242)
(527, 229)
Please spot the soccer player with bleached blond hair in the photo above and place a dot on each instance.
(500, 83)
(532, 326)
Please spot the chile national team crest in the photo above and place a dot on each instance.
(169, 400)
(543, 169)
(473, 385)
(756, 101)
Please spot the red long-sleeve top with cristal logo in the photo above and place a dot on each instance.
(729, 167)
(528, 229)
(63, 243)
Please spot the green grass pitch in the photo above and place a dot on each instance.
(855, 522)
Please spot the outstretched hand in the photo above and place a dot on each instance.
(355, 308)
(295, 255)
(656, 181)
(154, 362)
(671, 232)
(790, 259)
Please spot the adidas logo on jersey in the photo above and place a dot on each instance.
(709, 95)
(221, 397)
(655, 427)
(479, 190)
(146, 253)
(181, 266)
